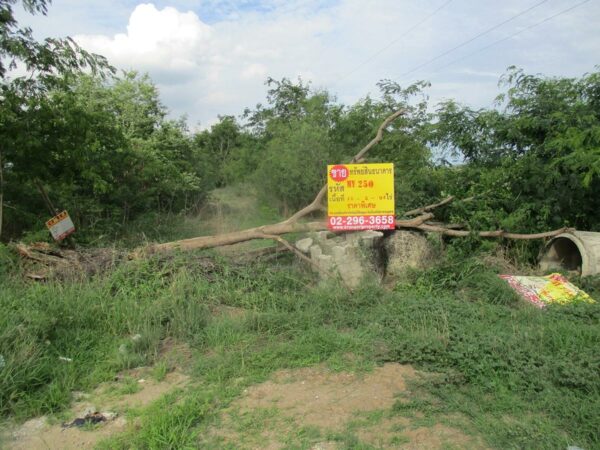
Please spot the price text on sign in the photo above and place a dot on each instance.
(360, 197)
(61, 226)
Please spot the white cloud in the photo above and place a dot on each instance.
(214, 60)
(254, 71)
(165, 40)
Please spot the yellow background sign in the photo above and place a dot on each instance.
(360, 196)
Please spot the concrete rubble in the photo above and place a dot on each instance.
(358, 256)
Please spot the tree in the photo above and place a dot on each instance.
(406, 144)
(540, 146)
(224, 144)
(104, 148)
(47, 64)
(292, 166)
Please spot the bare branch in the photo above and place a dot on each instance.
(236, 237)
(493, 234)
(378, 137)
(423, 209)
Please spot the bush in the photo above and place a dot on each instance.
(294, 165)
(8, 261)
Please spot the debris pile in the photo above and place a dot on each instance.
(42, 261)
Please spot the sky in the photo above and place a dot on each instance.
(212, 57)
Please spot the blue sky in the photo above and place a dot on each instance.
(211, 57)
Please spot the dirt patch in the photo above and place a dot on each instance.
(305, 407)
(43, 434)
(327, 399)
(439, 436)
(150, 390)
(48, 436)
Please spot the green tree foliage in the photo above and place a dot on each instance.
(42, 66)
(292, 168)
(48, 60)
(102, 146)
(104, 151)
(302, 130)
(231, 151)
(293, 141)
(532, 163)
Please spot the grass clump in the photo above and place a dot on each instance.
(56, 338)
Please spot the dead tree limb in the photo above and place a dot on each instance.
(423, 209)
(494, 234)
(277, 229)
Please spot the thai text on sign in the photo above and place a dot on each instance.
(61, 226)
(360, 197)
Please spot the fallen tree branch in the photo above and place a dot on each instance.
(423, 209)
(277, 229)
(40, 254)
(495, 233)
(450, 226)
(449, 199)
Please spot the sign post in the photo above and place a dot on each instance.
(61, 226)
(360, 197)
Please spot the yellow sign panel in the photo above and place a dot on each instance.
(360, 197)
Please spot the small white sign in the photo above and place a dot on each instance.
(61, 226)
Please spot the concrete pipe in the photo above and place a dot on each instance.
(577, 250)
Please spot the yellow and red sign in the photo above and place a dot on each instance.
(61, 226)
(360, 197)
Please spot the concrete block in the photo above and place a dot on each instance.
(315, 251)
(338, 253)
(325, 262)
(304, 245)
(406, 249)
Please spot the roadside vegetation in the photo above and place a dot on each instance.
(100, 145)
(518, 376)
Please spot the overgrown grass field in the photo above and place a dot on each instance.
(521, 377)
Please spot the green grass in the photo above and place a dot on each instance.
(227, 209)
(518, 376)
(128, 386)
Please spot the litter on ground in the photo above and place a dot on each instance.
(547, 290)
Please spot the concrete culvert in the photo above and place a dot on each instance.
(577, 251)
